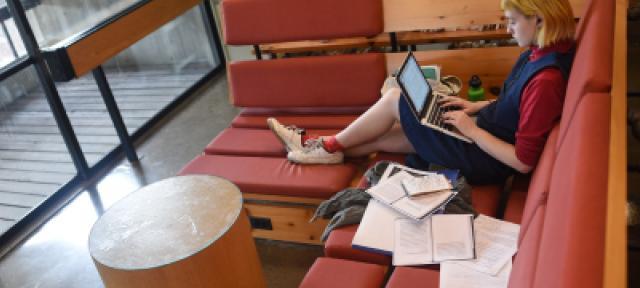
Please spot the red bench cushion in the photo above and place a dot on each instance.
(538, 189)
(592, 67)
(323, 81)
(247, 22)
(274, 176)
(525, 262)
(328, 272)
(302, 121)
(338, 245)
(252, 142)
(413, 277)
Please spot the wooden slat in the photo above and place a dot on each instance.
(38, 166)
(12, 212)
(615, 266)
(20, 200)
(491, 64)
(5, 225)
(281, 199)
(54, 147)
(305, 46)
(80, 130)
(52, 138)
(28, 188)
(35, 176)
(104, 44)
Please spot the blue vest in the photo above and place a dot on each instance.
(501, 117)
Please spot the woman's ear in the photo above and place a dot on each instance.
(538, 22)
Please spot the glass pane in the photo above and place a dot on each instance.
(56, 20)
(153, 72)
(34, 161)
(11, 46)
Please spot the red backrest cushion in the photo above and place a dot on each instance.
(324, 81)
(572, 245)
(247, 22)
(540, 181)
(524, 264)
(593, 66)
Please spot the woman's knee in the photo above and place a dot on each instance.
(391, 99)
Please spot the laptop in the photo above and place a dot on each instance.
(422, 101)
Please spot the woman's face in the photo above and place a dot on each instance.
(522, 28)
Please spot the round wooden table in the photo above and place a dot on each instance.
(185, 231)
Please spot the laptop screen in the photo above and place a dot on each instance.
(414, 83)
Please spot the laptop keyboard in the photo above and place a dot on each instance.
(435, 117)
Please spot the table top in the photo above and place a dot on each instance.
(165, 222)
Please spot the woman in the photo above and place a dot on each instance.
(508, 134)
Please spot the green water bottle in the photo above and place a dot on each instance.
(476, 92)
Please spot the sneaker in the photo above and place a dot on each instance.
(290, 136)
(313, 153)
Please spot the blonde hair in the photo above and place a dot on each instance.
(558, 22)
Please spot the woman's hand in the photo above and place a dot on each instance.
(462, 121)
(466, 106)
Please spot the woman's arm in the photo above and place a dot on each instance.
(468, 107)
(503, 151)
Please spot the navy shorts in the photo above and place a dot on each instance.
(435, 147)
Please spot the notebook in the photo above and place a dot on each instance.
(422, 101)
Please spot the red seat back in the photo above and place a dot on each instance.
(326, 81)
(247, 22)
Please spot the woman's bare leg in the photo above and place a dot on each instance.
(394, 141)
(374, 123)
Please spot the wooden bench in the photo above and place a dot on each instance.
(411, 22)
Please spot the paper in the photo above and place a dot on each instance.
(433, 240)
(454, 275)
(390, 190)
(452, 237)
(421, 206)
(496, 243)
(429, 183)
(375, 232)
(412, 244)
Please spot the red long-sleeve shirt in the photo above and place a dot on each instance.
(540, 106)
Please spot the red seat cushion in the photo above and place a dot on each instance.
(302, 121)
(485, 198)
(517, 198)
(413, 277)
(247, 22)
(328, 272)
(323, 81)
(252, 142)
(274, 176)
(338, 245)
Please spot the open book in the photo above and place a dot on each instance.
(433, 240)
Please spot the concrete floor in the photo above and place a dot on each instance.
(56, 255)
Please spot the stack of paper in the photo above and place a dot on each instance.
(392, 192)
(496, 243)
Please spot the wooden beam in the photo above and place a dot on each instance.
(615, 262)
(99, 44)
